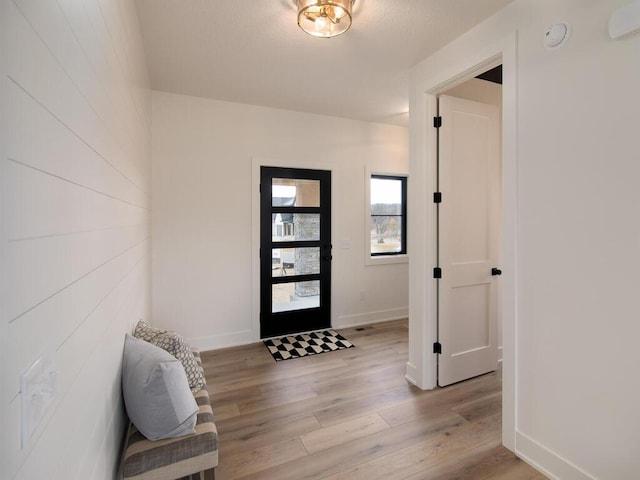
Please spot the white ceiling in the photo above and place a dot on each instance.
(252, 51)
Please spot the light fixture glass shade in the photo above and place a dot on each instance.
(324, 18)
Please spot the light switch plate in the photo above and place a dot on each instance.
(37, 391)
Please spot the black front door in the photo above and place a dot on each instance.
(295, 250)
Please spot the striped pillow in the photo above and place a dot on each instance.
(176, 346)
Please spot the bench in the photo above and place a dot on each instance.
(190, 457)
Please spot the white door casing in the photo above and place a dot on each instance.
(469, 235)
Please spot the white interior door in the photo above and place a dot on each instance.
(469, 234)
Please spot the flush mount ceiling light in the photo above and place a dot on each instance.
(324, 18)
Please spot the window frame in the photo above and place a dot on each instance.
(384, 258)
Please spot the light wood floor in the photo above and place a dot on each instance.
(352, 415)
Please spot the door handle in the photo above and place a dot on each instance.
(328, 257)
(496, 271)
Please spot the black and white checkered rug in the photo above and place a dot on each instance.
(295, 346)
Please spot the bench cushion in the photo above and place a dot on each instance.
(193, 456)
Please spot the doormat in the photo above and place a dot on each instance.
(296, 346)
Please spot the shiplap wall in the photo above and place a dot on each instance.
(75, 172)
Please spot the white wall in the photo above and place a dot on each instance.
(203, 257)
(577, 242)
(75, 240)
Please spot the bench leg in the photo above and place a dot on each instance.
(206, 475)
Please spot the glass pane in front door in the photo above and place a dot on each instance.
(295, 296)
(295, 246)
(286, 227)
(295, 192)
(288, 262)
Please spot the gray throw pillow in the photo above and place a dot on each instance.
(156, 392)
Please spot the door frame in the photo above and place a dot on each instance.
(426, 86)
(256, 163)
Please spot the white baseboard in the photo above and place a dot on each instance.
(546, 461)
(224, 340)
(411, 374)
(245, 337)
(371, 317)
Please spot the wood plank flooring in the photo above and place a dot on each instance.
(351, 415)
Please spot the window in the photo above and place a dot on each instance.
(388, 223)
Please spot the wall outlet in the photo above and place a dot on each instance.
(37, 391)
(362, 295)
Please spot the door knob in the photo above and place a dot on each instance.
(328, 257)
(496, 271)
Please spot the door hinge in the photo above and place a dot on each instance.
(260, 188)
(260, 253)
(437, 347)
(437, 272)
(437, 197)
(437, 122)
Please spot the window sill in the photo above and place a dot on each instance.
(386, 260)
